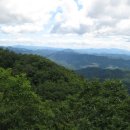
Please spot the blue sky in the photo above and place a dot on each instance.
(66, 23)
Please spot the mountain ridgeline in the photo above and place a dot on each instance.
(37, 94)
(79, 59)
(76, 61)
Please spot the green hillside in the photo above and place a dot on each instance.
(37, 94)
(96, 72)
(102, 74)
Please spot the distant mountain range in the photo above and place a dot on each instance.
(81, 51)
(103, 51)
(76, 59)
(34, 47)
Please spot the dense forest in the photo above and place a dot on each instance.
(37, 94)
(102, 74)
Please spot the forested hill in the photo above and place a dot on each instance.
(96, 72)
(102, 74)
(37, 94)
(41, 71)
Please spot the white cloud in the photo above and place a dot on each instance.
(83, 23)
(124, 25)
(26, 27)
(26, 15)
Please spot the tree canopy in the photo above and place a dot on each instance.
(37, 94)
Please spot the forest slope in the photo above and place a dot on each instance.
(38, 94)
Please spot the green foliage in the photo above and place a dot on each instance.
(20, 107)
(107, 107)
(51, 97)
(99, 106)
(44, 75)
(102, 74)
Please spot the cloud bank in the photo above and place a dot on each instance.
(66, 23)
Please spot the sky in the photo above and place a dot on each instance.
(65, 23)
